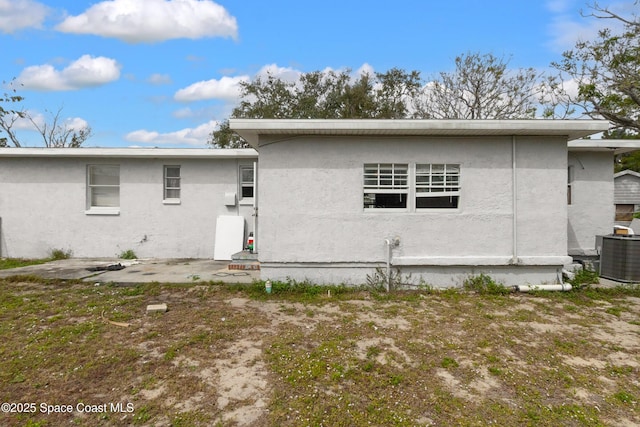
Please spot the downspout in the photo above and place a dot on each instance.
(255, 207)
(387, 285)
(514, 202)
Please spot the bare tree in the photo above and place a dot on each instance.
(9, 115)
(58, 134)
(481, 87)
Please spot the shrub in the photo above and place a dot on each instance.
(484, 284)
(128, 254)
(56, 254)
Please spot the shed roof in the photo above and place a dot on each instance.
(625, 173)
(250, 129)
(150, 153)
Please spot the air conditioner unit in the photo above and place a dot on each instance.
(620, 258)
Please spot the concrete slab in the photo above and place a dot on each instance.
(137, 271)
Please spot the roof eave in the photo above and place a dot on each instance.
(159, 153)
(251, 129)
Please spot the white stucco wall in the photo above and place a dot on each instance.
(312, 223)
(592, 210)
(43, 203)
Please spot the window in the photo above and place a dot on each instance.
(171, 184)
(569, 183)
(385, 185)
(246, 182)
(103, 189)
(437, 186)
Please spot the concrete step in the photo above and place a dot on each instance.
(243, 265)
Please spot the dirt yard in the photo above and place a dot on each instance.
(91, 355)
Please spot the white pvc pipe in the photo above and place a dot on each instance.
(514, 201)
(388, 284)
(533, 288)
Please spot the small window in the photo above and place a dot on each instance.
(103, 187)
(569, 183)
(437, 186)
(172, 183)
(246, 182)
(385, 185)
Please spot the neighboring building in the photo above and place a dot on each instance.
(451, 197)
(439, 199)
(161, 203)
(626, 196)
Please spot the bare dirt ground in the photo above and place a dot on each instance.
(90, 355)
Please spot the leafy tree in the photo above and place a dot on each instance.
(323, 95)
(482, 87)
(607, 71)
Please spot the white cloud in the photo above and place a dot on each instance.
(558, 6)
(19, 14)
(225, 88)
(570, 22)
(72, 123)
(139, 21)
(287, 74)
(197, 136)
(159, 79)
(86, 71)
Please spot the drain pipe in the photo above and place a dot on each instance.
(388, 284)
(561, 286)
(514, 202)
(533, 288)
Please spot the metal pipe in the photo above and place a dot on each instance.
(388, 284)
(514, 202)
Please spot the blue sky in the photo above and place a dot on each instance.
(163, 72)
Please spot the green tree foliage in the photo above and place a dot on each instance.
(607, 71)
(323, 95)
(480, 87)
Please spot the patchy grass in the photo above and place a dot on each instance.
(307, 355)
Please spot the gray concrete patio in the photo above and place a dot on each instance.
(137, 271)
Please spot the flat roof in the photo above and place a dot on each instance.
(250, 129)
(617, 146)
(130, 152)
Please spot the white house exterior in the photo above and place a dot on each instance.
(438, 199)
(591, 191)
(95, 202)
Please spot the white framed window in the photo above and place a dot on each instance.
(103, 189)
(247, 186)
(386, 185)
(171, 192)
(437, 185)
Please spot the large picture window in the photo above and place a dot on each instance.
(437, 186)
(103, 187)
(386, 185)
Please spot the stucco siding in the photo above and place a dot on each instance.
(592, 210)
(311, 201)
(43, 206)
